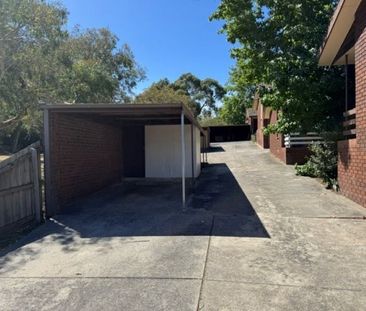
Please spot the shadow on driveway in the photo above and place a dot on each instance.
(214, 149)
(217, 206)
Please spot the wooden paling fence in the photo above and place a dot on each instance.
(20, 189)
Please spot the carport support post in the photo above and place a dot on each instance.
(192, 155)
(49, 206)
(183, 160)
(36, 173)
(205, 153)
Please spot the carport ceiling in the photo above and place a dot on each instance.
(130, 114)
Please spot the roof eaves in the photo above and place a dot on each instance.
(351, 6)
(111, 106)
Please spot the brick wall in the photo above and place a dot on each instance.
(261, 139)
(276, 146)
(297, 155)
(85, 156)
(352, 153)
(276, 141)
(291, 155)
(360, 60)
(351, 170)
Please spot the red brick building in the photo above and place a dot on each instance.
(251, 120)
(263, 115)
(275, 142)
(296, 154)
(345, 44)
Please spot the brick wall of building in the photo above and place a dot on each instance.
(85, 156)
(276, 146)
(259, 137)
(352, 153)
(276, 143)
(293, 155)
(351, 170)
(360, 60)
(262, 140)
(297, 155)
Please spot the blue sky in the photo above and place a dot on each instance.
(168, 37)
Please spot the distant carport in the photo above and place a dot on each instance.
(90, 146)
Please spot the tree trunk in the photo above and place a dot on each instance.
(14, 147)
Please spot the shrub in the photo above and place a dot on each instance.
(322, 163)
(307, 169)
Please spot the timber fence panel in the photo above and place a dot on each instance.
(20, 190)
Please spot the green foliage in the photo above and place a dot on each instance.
(204, 93)
(307, 169)
(283, 125)
(162, 92)
(201, 96)
(276, 49)
(40, 62)
(322, 163)
(95, 70)
(233, 110)
(213, 121)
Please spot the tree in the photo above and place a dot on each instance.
(30, 31)
(40, 62)
(277, 44)
(95, 70)
(201, 96)
(162, 92)
(204, 93)
(212, 121)
(233, 110)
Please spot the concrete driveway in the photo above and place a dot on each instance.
(256, 237)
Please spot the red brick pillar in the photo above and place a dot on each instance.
(360, 62)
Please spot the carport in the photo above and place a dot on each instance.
(90, 146)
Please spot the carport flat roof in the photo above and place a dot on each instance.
(129, 112)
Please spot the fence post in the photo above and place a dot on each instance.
(36, 183)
